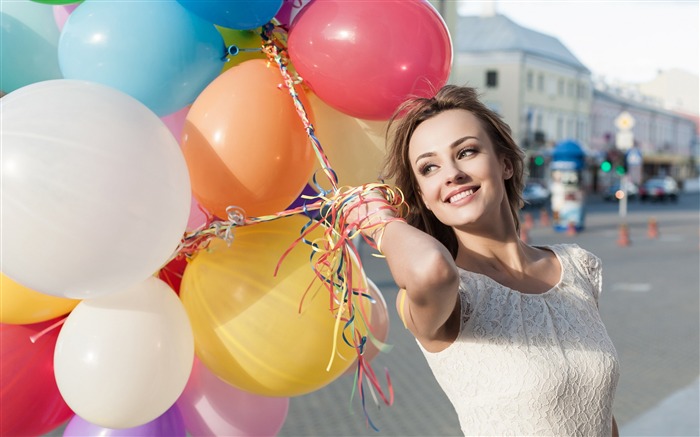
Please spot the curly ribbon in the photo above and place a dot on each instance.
(332, 254)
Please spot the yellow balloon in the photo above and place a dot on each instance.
(247, 325)
(245, 40)
(20, 305)
(355, 148)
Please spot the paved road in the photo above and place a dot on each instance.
(650, 305)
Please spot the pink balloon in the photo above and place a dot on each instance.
(211, 407)
(379, 325)
(62, 12)
(379, 321)
(176, 121)
(198, 216)
(364, 58)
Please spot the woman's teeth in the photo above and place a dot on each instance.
(460, 196)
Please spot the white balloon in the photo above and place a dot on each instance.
(95, 190)
(123, 359)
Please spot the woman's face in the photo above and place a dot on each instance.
(460, 177)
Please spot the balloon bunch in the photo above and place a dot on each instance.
(176, 146)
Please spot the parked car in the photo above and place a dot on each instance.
(614, 192)
(535, 194)
(659, 189)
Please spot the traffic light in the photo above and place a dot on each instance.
(606, 166)
(539, 160)
(620, 170)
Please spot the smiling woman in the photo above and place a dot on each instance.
(511, 332)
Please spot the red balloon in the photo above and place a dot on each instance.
(30, 403)
(172, 272)
(364, 58)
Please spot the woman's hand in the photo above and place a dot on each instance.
(369, 213)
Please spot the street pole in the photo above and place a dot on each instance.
(623, 201)
(624, 141)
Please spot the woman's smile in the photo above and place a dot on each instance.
(461, 196)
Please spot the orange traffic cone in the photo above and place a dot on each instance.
(529, 222)
(653, 228)
(571, 229)
(524, 235)
(623, 238)
(544, 217)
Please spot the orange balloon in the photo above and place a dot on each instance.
(20, 305)
(244, 143)
(355, 148)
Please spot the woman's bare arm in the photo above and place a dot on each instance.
(419, 264)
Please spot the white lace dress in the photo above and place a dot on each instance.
(532, 364)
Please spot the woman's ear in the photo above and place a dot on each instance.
(507, 168)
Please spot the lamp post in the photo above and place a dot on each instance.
(624, 141)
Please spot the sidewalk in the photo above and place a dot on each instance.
(676, 415)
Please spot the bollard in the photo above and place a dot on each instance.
(571, 229)
(544, 217)
(529, 221)
(623, 239)
(653, 228)
(524, 235)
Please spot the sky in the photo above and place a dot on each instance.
(628, 41)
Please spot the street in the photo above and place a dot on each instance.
(650, 305)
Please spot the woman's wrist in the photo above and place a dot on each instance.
(378, 236)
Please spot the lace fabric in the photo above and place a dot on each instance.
(532, 364)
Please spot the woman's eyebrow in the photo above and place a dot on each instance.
(454, 144)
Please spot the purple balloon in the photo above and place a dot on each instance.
(289, 11)
(309, 191)
(169, 424)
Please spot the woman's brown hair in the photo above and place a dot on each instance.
(397, 166)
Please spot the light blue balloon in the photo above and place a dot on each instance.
(155, 51)
(28, 44)
(235, 14)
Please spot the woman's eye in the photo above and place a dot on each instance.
(426, 168)
(465, 152)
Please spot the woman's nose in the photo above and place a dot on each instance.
(455, 175)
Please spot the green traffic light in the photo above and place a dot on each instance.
(606, 166)
(539, 160)
(620, 170)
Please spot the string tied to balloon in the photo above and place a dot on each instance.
(334, 253)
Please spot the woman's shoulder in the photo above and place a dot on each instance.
(575, 253)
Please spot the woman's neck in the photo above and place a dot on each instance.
(498, 246)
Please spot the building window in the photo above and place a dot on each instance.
(560, 128)
(540, 82)
(560, 87)
(491, 78)
(530, 80)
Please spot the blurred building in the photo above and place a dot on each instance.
(540, 88)
(676, 89)
(666, 139)
(547, 96)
